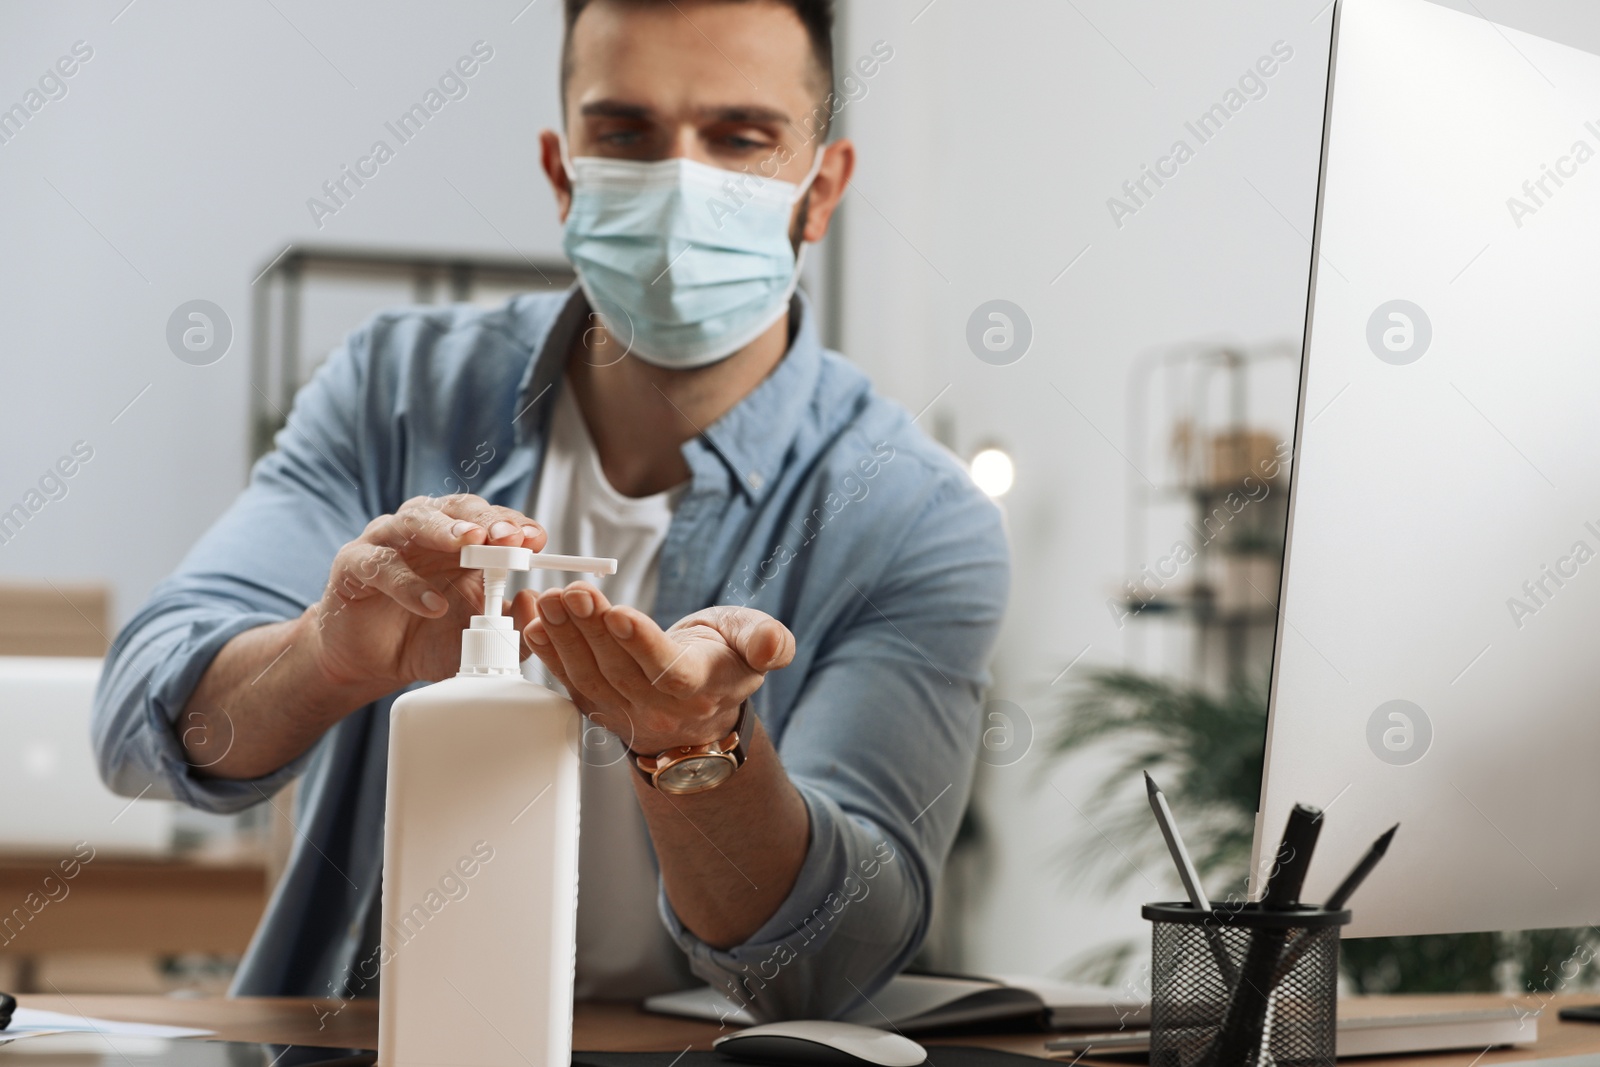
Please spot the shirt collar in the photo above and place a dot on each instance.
(549, 345)
(751, 441)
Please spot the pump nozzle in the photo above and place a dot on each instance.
(485, 646)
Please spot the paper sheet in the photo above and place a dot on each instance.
(32, 1022)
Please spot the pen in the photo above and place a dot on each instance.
(1186, 872)
(1240, 1039)
(1294, 858)
(1353, 880)
(1119, 1040)
(1180, 855)
(1303, 940)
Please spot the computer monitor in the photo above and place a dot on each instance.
(1437, 658)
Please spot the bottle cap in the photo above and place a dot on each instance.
(491, 645)
(495, 557)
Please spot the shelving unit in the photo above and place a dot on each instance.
(1210, 495)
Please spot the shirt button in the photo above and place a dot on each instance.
(755, 480)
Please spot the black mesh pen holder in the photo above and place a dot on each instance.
(1241, 987)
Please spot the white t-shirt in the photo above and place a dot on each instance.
(623, 948)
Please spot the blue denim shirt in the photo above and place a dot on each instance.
(813, 500)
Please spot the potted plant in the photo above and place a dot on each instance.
(1206, 749)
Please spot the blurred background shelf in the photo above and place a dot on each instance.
(1208, 503)
(307, 299)
(163, 905)
(133, 925)
(54, 619)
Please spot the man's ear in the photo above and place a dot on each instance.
(827, 189)
(550, 160)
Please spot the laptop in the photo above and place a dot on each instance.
(51, 796)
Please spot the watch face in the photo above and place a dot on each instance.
(696, 774)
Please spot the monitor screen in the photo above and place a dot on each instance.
(1438, 647)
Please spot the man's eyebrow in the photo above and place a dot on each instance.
(751, 113)
(615, 109)
(746, 113)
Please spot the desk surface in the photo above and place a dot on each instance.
(624, 1027)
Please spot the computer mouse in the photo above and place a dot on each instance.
(814, 1043)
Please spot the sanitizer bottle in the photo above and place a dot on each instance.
(480, 862)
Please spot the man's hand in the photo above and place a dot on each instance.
(397, 598)
(655, 689)
(392, 614)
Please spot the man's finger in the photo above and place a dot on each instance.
(586, 608)
(524, 610)
(552, 662)
(569, 643)
(668, 665)
(503, 526)
(383, 569)
(761, 641)
(421, 525)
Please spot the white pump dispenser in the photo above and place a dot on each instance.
(480, 862)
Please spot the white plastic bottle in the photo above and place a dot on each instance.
(480, 862)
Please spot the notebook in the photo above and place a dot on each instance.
(917, 1002)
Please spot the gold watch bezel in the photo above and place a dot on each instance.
(659, 769)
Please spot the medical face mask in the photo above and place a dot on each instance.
(685, 263)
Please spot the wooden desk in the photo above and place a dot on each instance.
(623, 1027)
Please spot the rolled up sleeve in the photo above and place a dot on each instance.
(882, 746)
(264, 561)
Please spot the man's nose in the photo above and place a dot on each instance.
(686, 143)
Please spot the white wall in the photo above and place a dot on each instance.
(178, 164)
(181, 159)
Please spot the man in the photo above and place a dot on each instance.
(800, 567)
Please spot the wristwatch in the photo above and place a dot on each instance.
(695, 768)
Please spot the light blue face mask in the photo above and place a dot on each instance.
(685, 263)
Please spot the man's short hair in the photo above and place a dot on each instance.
(815, 15)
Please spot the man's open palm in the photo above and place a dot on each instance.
(656, 689)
